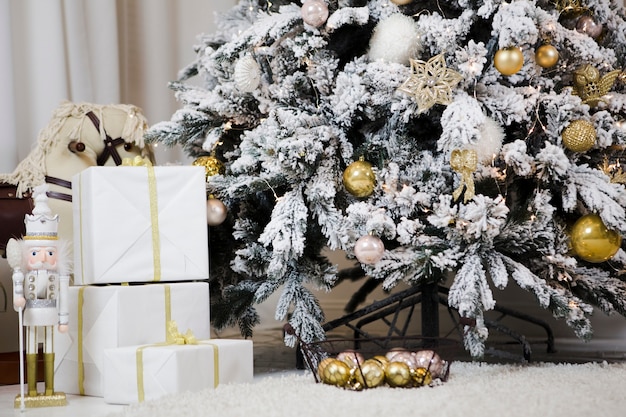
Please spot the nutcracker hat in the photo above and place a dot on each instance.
(41, 226)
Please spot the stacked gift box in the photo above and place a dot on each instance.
(139, 306)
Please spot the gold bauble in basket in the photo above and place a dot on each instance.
(398, 374)
(334, 372)
(370, 374)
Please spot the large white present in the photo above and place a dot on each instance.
(103, 317)
(141, 373)
(139, 224)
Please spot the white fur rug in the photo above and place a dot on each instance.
(473, 389)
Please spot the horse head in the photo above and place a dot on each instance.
(78, 136)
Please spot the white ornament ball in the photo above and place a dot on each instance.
(247, 74)
(489, 142)
(216, 212)
(395, 39)
(369, 249)
(314, 12)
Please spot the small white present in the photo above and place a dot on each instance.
(141, 373)
(103, 317)
(139, 224)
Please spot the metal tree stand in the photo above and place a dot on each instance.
(430, 296)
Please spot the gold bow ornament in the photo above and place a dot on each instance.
(137, 161)
(174, 337)
(464, 161)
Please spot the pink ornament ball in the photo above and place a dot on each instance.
(369, 249)
(216, 212)
(428, 359)
(587, 24)
(351, 358)
(314, 12)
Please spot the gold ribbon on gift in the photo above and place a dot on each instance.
(79, 322)
(138, 161)
(174, 337)
(464, 161)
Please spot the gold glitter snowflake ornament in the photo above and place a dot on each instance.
(430, 82)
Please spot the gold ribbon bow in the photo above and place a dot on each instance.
(465, 162)
(174, 337)
(137, 161)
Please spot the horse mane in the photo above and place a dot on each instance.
(31, 171)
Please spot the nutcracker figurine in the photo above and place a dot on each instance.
(40, 285)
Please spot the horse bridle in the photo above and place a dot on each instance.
(110, 151)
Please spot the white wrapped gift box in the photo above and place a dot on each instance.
(141, 373)
(139, 224)
(103, 317)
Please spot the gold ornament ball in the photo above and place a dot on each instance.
(421, 377)
(592, 241)
(546, 56)
(334, 372)
(509, 60)
(211, 164)
(579, 136)
(371, 374)
(401, 2)
(359, 179)
(398, 374)
(216, 212)
(322, 366)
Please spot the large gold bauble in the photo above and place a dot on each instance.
(401, 2)
(371, 374)
(546, 56)
(211, 164)
(579, 136)
(398, 374)
(334, 372)
(359, 179)
(509, 60)
(592, 241)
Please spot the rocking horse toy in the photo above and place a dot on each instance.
(78, 136)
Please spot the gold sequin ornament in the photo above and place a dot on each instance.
(211, 164)
(359, 179)
(398, 374)
(592, 241)
(509, 60)
(334, 372)
(579, 136)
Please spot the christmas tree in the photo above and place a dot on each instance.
(423, 138)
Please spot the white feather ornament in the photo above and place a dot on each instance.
(395, 39)
(489, 141)
(247, 74)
